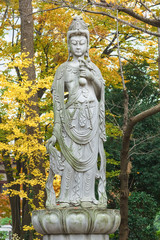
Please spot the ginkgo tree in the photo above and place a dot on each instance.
(22, 120)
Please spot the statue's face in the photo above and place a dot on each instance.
(78, 45)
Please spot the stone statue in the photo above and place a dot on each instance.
(79, 130)
(79, 126)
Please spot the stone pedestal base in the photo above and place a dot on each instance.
(76, 237)
(76, 223)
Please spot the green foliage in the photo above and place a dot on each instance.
(145, 157)
(5, 221)
(145, 142)
(157, 223)
(114, 236)
(140, 85)
(142, 211)
(158, 234)
(144, 154)
(3, 235)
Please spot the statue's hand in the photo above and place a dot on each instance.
(51, 143)
(86, 73)
(83, 62)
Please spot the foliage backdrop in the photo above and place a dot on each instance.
(139, 57)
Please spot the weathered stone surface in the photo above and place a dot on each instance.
(76, 221)
(79, 126)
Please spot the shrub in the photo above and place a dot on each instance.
(142, 212)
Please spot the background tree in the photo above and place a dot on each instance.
(26, 116)
(144, 149)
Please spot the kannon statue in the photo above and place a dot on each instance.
(79, 126)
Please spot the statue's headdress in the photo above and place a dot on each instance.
(78, 27)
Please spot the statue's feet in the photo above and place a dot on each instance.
(86, 204)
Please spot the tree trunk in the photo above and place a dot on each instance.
(27, 46)
(124, 230)
(14, 200)
(159, 59)
(124, 176)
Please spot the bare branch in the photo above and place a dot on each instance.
(121, 8)
(145, 20)
(113, 116)
(93, 26)
(13, 30)
(46, 10)
(139, 117)
(122, 21)
(148, 9)
(4, 16)
(18, 74)
(144, 140)
(128, 60)
(84, 7)
(108, 51)
(136, 98)
(109, 45)
(126, 97)
(120, 63)
(141, 153)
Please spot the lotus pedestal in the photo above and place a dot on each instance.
(76, 223)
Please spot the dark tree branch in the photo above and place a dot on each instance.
(18, 74)
(4, 16)
(141, 116)
(122, 21)
(148, 9)
(46, 10)
(115, 7)
(41, 92)
(121, 8)
(108, 51)
(142, 141)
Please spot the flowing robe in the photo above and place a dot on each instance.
(80, 132)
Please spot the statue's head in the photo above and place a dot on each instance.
(78, 28)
